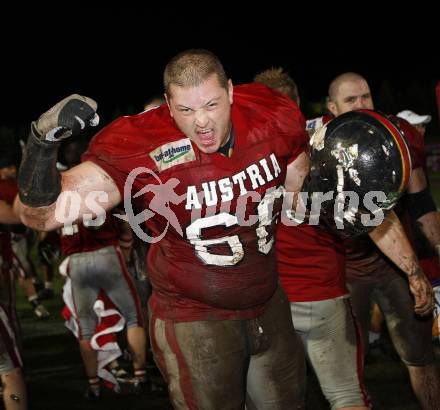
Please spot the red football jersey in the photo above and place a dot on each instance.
(223, 265)
(79, 238)
(311, 261)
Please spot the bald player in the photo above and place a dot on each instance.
(371, 276)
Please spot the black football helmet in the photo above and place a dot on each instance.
(363, 155)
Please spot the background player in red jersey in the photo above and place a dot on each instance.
(311, 264)
(371, 276)
(96, 264)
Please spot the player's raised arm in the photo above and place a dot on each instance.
(43, 191)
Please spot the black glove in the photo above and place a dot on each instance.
(66, 118)
(39, 182)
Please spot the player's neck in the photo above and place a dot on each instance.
(228, 146)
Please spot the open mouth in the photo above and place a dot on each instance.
(206, 137)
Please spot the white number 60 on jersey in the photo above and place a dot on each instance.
(265, 218)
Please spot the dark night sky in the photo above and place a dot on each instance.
(117, 55)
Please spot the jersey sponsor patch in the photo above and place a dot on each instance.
(173, 153)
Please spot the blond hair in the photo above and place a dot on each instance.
(280, 80)
(191, 68)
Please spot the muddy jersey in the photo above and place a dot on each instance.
(80, 238)
(216, 214)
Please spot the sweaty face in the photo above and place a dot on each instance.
(351, 95)
(202, 113)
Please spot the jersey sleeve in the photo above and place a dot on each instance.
(292, 125)
(300, 141)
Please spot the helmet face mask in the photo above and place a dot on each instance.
(364, 159)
